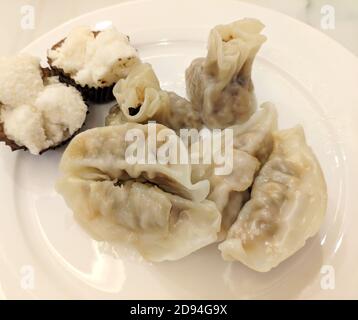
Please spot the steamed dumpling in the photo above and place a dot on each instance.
(220, 85)
(153, 207)
(252, 144)
(140, 99)
(287, 206)
(255, 136)
(160, 225)
(104, 153)
(228, 191)
(139, 95)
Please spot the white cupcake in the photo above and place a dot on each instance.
(37, 112)
(93, 61)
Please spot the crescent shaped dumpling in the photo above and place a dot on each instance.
(153, 207)
(252, 145)
(102, 154)
(220, 85)
(287, 206)
(229, 192)
(159, 225)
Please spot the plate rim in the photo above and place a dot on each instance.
(113, 7)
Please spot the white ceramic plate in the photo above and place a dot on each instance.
(311, 79)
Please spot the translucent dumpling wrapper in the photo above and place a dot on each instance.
(140, 99)
(159, 225)
(255, 136)
(252, 145)
(220, 85)
(152, 207)
(111, 153)
(287, 206)
(228, 190)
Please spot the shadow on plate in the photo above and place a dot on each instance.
(205, 272)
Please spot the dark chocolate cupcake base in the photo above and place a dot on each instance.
(96, 95)
(13, 146)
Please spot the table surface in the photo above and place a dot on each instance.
(337, 18)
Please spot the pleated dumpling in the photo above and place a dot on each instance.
(252, 145)
(287, 206)
(255, 136)
(220, 85)
(139, 95)
(229, 190)
(111, 153)
(140, 99)
(153, 207)
(159, 225)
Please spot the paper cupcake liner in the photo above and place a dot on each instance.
(15, 147)
(96, 95)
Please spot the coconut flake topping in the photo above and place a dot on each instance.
(96, 60)
(37, 115)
